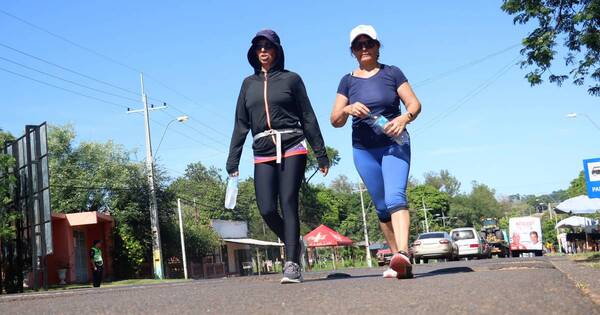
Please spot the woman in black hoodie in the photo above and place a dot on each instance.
(273, 104)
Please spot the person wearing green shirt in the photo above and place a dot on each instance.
(97, 263)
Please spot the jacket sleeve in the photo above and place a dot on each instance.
(240, 131)
(309, 122)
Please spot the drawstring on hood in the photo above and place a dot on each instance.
(271, 36)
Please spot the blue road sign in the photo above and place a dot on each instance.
(591, 168)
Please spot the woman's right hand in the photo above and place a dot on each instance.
(234, 174)
(357, 109)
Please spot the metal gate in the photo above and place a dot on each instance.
(81, 260)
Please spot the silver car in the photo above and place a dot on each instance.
(434, 245)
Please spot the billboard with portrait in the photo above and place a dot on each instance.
(525, 233)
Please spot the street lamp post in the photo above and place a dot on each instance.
(574, 115)
(180, 119)
(364, 217)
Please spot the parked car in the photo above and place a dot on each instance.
(470, 244)
(384, 255)
(434, 245)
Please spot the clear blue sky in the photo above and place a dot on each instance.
(478, 125)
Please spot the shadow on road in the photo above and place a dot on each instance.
(444, 271)
(436, 272)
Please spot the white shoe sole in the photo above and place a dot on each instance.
(285, 280)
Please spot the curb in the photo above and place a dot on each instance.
(581, 276)
(84, 291)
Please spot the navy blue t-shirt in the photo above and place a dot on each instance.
(379, 94)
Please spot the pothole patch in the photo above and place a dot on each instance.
(517, 265)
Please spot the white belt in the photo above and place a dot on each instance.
(277, 134)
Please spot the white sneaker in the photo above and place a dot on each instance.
(390, 273)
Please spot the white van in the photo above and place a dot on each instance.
(470, 244)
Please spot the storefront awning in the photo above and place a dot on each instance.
(251, 241)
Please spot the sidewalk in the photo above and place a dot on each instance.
(77, 289)
(585, 277)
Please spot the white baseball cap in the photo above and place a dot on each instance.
(362, 30)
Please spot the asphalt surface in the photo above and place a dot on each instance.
(492, 286)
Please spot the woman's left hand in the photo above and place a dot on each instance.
(396, 126)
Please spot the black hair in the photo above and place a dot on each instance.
(533, 232)
(96, 242)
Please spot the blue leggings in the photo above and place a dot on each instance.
(385, 173)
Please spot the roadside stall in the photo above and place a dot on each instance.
(324, 236)
(584, 236)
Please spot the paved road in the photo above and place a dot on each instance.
(497, 286)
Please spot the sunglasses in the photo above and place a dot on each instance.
(266, 45)
(367, 44)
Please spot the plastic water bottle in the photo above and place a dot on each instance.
(378, 122)
(231, 192)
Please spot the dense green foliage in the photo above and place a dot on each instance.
(575, 23)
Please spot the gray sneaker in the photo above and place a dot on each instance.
(291, 273)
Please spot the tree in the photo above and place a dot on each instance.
(342, 184)
(435, 201)
(5, 136)
(480, 203)
(312, 164)
(443, 181)
(574, 22)
(7, 219)
(577, 186)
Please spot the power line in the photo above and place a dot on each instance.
(74, 187)
(88, 87)
(68, 81)
(464, 66)
(67, 69)
(103, 101)
(106, 57)
(69, 41)
(62, 88)
(467, 97)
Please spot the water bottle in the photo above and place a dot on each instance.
(379, 121)
(231, 192)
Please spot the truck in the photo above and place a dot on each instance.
(525, 236)
(495, 237)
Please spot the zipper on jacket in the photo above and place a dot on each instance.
(265, 86)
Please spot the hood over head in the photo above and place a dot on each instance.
(271, 36)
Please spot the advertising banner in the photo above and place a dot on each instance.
(525, 233)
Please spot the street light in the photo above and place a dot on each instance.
(364, 217)
(574, 115)
(180, 119)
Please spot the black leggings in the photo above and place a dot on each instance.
(273, 182)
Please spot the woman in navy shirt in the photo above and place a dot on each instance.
(373, 90)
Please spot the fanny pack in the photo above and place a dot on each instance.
(277, 134)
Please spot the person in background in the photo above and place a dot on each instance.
(274, 105)
(97, 262)
(373, 90)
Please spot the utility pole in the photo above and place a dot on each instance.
(364, 215)
(444, 217)
(425, 212)
(156, 243)
(185, 274)
(550, 209)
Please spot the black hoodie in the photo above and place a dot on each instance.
(287, 104)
